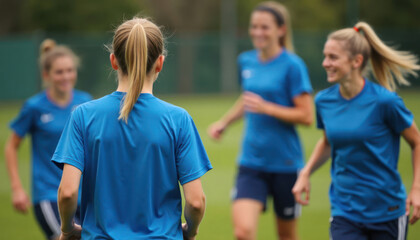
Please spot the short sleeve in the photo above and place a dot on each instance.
(191, 157)
(298, 79)
(396, 115)
(23, 123)
(239, 68)
(70, 148)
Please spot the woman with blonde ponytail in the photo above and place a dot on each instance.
(43, 117)
(276, 98)
(133, 150)
(362, 123)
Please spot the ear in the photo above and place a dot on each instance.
(282, 30)
(357, 61)
(45, 75)
(159, 63)
(113, 60)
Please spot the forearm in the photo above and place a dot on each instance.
(319, 156)
(193, 214)
(235, 113)
(416, 167)
(67, 205)
(12, 166)
(291, 115)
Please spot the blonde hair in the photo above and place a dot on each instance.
(389, 66)
(279, 9)
(137, 44)
(49, 51)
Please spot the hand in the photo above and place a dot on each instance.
(20, 200)
(74, 234)
(413, 199)
(185, 232)
(216, 130)
(301, 186)
(254, 103)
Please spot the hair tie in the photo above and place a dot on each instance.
(356, 29)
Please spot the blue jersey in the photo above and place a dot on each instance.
(364, 134)
(270, 144)
(131, 172)
(45, 121)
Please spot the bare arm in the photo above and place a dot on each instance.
(195, 204)
(320, 155)
(20, 199)
(235, 113)
(67, 201)
(412, 136)
(300, 113)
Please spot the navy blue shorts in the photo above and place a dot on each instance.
(344, 229)
(46, 213)
(258, 185)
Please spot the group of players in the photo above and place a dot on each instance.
(129, 150)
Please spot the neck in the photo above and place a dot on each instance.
(270, 52)
(350, 88)
(124, 85)
(59, 98)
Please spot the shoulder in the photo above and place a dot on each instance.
(173, 110)
(37, 100)
(82, 95)
(383, 95)
(250, 55)
(326, 94)
(293, 60)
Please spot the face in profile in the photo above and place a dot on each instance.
(337, 61)
(263, 30)
(62, 75)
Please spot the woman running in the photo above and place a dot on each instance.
(133, 150)
(44, 116)
(362, 122)
(276, 98)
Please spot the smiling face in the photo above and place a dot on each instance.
(62, 75)
(337, 62)
(264, 30)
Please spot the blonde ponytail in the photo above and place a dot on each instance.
(136, 60)
(137, 44)
(389, 66)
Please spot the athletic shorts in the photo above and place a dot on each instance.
(258, 185)
(344, 229)
(46, 213)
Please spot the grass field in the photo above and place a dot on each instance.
(217, 183)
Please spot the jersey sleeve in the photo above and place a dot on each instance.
(70, 148)
(23, 123)
(396, 115)
(299, 79)
(319, 122)
(239, 69)
(191, 158)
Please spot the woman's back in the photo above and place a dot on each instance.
(131, 170)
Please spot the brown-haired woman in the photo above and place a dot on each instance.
(43, 116)
(276, 98)
(362, 123)
(133, 150)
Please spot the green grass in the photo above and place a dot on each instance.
(217, 183)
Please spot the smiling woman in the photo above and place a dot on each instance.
(43, 117)
(276, 98)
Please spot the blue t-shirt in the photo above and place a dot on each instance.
(364, 134)
(44, 121)
(131, 172)
(270, 144)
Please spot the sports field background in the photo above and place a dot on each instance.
(217, 183)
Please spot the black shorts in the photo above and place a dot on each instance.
(345, 229)
(258, 185)
(46, 213)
